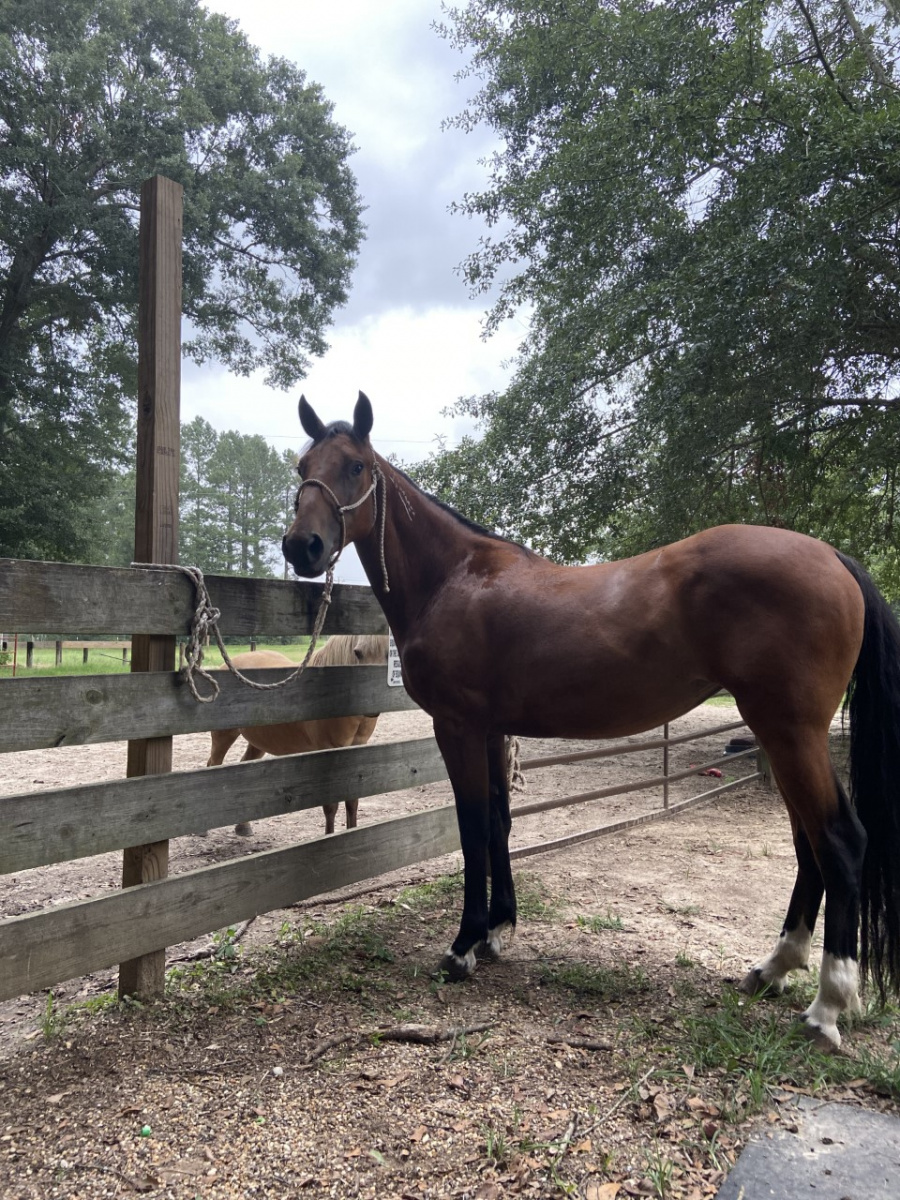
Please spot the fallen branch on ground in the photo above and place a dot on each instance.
(578, 1043)
(428, 1035)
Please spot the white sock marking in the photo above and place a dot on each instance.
(838, 992)
(498, 935)
(791, 953)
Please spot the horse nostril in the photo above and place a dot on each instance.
(315, 546)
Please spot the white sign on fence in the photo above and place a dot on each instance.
(395, 672)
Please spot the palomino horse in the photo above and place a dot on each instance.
(299, 737)
(496, 640)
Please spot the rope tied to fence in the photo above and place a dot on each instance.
(205, 623)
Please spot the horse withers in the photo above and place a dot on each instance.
(495, 640)
(300, 737)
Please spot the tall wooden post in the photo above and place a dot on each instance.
(156, 513)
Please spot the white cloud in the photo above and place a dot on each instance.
(410, 336)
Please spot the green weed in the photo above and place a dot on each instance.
(608, 983)
(597, 923)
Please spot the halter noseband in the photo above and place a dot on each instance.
(340, 509)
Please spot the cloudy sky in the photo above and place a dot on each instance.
(410, 336)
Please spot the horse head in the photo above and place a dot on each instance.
(337, 501)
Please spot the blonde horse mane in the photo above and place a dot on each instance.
(340, 650)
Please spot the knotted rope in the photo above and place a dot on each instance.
(516, 779)
(205, 622)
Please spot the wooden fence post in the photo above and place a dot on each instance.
(58, 657)
(156, 513)
(29, 654)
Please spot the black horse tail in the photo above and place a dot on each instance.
(873, 698)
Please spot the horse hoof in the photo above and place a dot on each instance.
(824, 1037)
(454, 968)
(753, 984)
(245, 829)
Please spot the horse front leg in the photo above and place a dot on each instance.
(791, 952)
(466, 759)
(502, 912)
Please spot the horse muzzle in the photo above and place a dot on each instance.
(306, 553)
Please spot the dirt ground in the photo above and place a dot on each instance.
(286, 1065)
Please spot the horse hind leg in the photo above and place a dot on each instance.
(791, 952)
(837, 842)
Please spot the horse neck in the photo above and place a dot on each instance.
(423, 545)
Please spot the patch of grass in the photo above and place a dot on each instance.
(109, 661)
(444, 892)
(608, 983)
(496, 1147)
(722, 701)
(349, 956)
(659, 1170)
(680, 910)
(53, 1019)
(597, 923)
(534, 901)
(683, 960)
(758, 1046)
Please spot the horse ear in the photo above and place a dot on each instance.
(362, 417)
(309, 420)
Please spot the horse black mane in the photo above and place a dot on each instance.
(458, 516)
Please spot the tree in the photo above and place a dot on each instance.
(95, 96)
(199, 521)
(697, 201)
(234, 492)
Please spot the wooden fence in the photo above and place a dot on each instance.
(41, 949)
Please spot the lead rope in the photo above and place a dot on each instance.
(205, 621)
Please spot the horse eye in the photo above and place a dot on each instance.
(357, 468)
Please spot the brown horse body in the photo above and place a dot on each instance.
(495, 640)
(301, 737)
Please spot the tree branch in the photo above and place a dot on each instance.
(878, 72)
(820, 54)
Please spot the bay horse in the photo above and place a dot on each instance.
(495, 640)
(300, 737)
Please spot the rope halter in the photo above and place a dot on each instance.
(340, 509)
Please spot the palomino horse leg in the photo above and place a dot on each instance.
(221, 742)
(838, 843)
(465, 756)
(502, 912)
(330, 811)
(244, 828)
(791, 952)
(351, 808)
